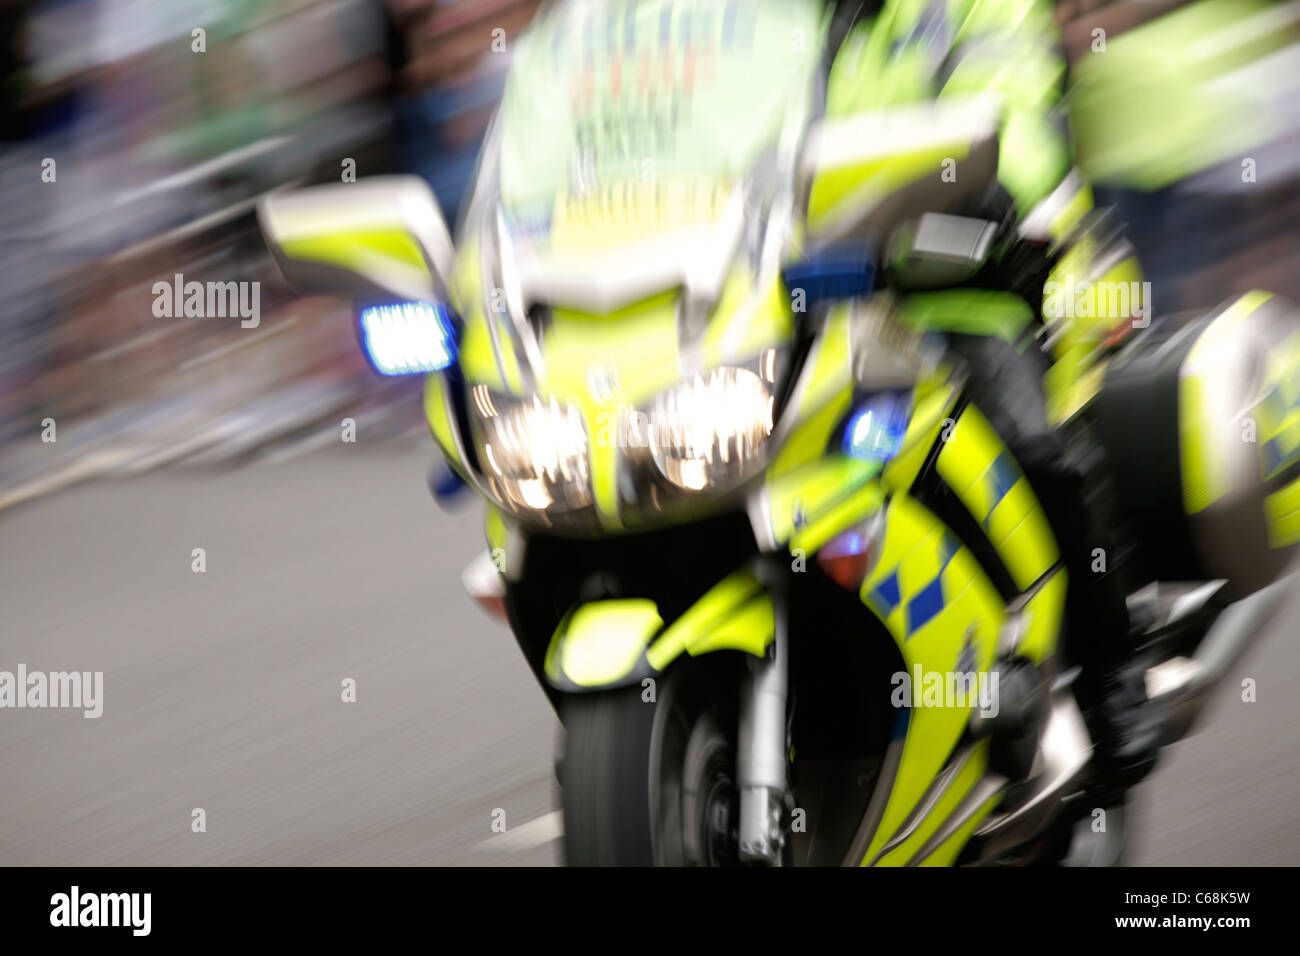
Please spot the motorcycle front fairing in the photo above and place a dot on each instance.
(628, 308)
(634, 540)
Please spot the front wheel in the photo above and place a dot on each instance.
(649, 782)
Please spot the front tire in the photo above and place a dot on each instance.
(648, 783)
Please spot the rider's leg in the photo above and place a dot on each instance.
(1069, 475)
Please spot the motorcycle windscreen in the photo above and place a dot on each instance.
(621, 120)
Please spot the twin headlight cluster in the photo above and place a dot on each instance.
(536, 453)
(704, 433)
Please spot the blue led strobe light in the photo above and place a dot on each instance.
(407, 338)
(876, 429)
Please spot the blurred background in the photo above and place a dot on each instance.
(130, 155)
(160, 151)
(138, 136)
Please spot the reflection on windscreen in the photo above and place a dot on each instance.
(644, 112)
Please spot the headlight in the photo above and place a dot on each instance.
(706, 431)
(534, 452)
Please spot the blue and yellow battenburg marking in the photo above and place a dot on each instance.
(1277, 414)
(1277, 420)
(925, 575)
(885, 596)
(944, 613)
(989, 482)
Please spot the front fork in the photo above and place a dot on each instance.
(761, 752)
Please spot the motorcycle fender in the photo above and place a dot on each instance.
(615, 643)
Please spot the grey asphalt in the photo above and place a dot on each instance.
(223, 690)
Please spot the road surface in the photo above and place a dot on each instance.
(223, 690)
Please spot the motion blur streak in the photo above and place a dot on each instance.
(136, 137)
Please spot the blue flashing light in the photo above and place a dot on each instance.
(875, 430)
(408, 338)
(840, 271)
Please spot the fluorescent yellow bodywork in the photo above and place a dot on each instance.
(818, 411)
(848, 511)
(931, 403)
(496, 531)
(747, 319)
(357, 251)
(978, 467)
(803, 496)
(1098, 312)
(847, 191)
(966, 778)
(1043, 614)
(1277, 413)
(437, 409)
(603, 641)
(749, 628)
(1205, 480)
(948, 851)
(735, 613)
(1070, 215)
(941, 609)
(1282, 511)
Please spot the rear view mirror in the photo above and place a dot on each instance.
(379, 238)
(866, 172)
(935, 251)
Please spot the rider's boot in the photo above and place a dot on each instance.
(1111, 687)
(1070, 478)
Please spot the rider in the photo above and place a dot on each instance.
(939, 48)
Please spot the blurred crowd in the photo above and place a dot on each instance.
(1187, 116)
(139, 134)
(137, 138)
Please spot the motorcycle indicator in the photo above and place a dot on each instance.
(407, 338)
